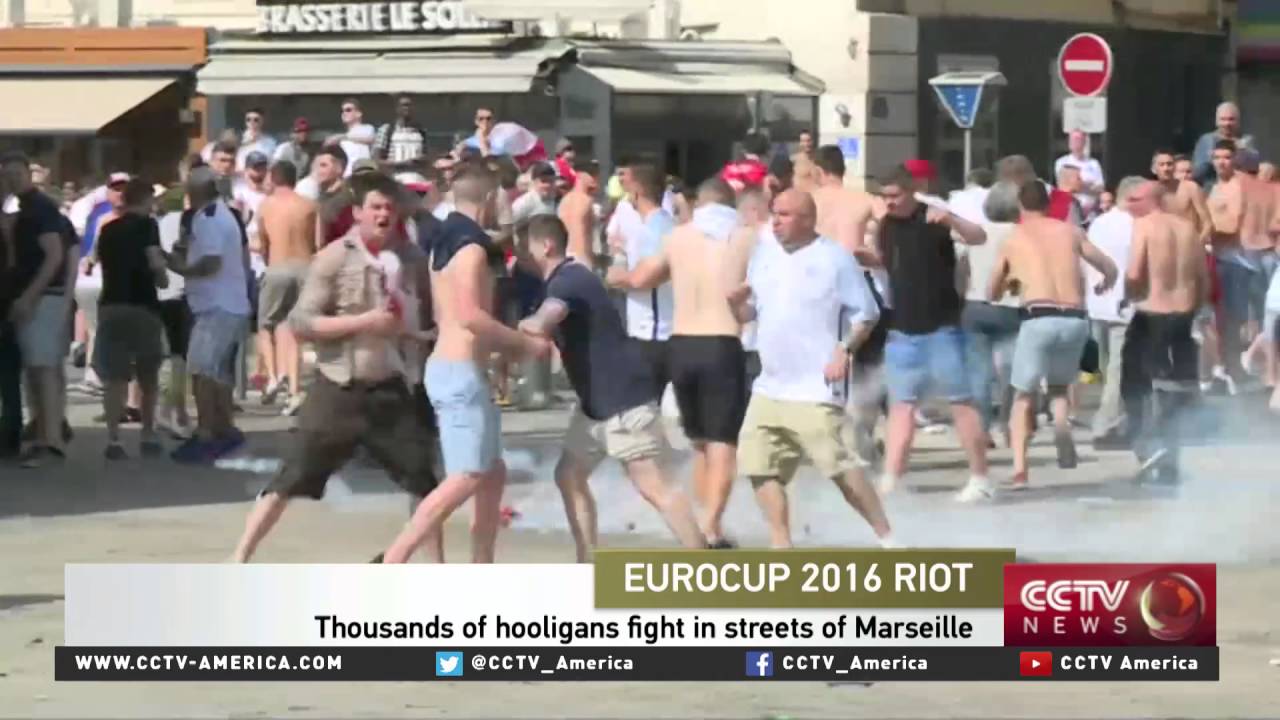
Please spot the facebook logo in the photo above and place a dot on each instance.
(759, 664)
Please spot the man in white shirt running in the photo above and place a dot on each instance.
(1112, 232)
(813, 307)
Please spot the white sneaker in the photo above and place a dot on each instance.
(978, 490)
(295, 404)
(887, 484)
(272, 390)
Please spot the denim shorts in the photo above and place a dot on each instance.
(919, 365)
(1048, 350)
(470, 423)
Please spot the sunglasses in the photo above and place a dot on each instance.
(484, 118)
(254, 119)
(348, 109)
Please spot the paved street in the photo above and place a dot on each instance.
(154, 511)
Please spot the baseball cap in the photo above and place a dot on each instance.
(118, 178)
(364, 165)
(301, 125)
(256, 159)
(921, 169)
(414, 182)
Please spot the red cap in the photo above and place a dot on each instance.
(301, 125)
(921, 169)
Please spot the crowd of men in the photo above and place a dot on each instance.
(787, 312)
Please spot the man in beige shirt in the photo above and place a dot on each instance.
(353, 307)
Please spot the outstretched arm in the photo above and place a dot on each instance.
(1099, 261)
(549, 316)
(649, 273)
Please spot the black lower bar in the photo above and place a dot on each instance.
(638, 664)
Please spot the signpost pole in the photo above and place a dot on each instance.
(968, 153)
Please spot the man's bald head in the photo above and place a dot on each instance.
(715, 191)
(1146, 198)
(1228, 119)
(795, 217)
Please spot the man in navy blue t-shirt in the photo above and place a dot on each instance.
(618, 414)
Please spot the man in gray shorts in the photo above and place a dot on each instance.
(130, 341)
(286, 234)
(1044, 255)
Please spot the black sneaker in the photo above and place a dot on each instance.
(722, 544)
(115, 452)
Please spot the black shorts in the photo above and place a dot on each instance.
(1160, 352)
(176, 317)
(384, 418)
(709, 374)
(657, 358)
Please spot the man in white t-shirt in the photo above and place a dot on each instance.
(254, 139)
(246, 196)
(358, 137)
(813, 307)
(175, 315)
(1110, 314)
(1092, 180)
(215, 266)
(649, 313)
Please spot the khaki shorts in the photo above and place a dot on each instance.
(779, 434)
(634, 434)
(281, 286)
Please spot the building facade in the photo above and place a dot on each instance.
(875, 58)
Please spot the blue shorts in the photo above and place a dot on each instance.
(917, 365)
(470, 423)
(1049, 350)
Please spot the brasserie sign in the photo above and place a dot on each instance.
(442, 17)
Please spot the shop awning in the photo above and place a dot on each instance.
(360, 73)
(629, 80)
(70, 106)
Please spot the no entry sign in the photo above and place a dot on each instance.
(1085, 64)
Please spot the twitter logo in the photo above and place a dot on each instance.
(449, 664)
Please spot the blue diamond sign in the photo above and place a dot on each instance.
(961, 94)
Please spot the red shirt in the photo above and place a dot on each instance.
(1060, 202)
(745, 174)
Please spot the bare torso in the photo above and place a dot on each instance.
(1044, 258)
(1174, 262)
(288, 224)
(1259, 208)
(575, 212)
(703, 272)
(1182, 198)
(466, 279)
(1226, 208)
(805, 173)
(843, 215)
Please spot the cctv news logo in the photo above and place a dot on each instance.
(1100, 605)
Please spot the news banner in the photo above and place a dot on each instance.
(633, 615)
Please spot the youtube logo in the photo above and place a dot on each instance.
(1035, 664)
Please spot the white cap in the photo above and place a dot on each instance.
(118, 177)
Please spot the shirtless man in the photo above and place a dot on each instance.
(814, 308)
(1182, 168)
(843, 214)
(1041, 263)
(704, 260)
(1239, 269)
(462, 283)
(618, 414)
(577, 211)
(1169, 280)
(286, 234)
(806, 174)
(1183, 198)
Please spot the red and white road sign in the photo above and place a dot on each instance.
(1085, 64)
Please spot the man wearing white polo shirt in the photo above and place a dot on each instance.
(649, 313)
(813, 308)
